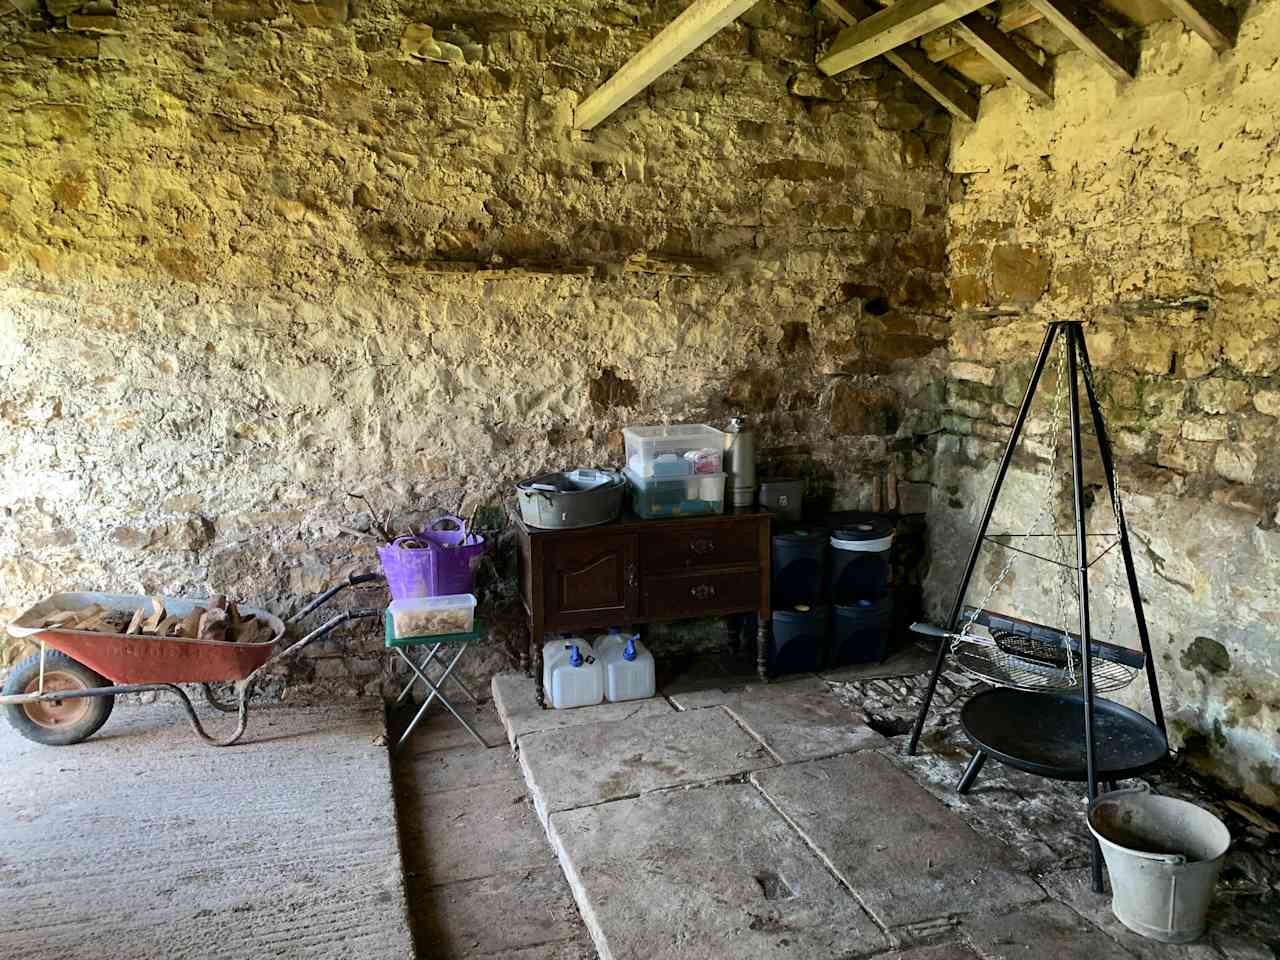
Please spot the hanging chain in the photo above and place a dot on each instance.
(1116, 509)
(1045, 510)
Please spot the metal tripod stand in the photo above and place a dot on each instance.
(1115, 764)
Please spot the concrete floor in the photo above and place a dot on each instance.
(482, 881)
(142, 842)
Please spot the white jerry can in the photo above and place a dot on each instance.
(628, 667)
(571, 674)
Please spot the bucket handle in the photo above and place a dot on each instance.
(458, 523)
(1141, 787)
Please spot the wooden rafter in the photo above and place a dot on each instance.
(1004, 54)
(1213, 21)
(701, 20)
(891, 28)
(949, 92)
(1087, 32)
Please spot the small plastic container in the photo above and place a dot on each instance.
(571, 674)
(652, 450)
(653, 498)
(628, 667)
(433, 616)
(784, 497)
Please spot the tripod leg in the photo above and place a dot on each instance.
(1126, 552)
(954, 619)
(971, 772)
(1082, 573)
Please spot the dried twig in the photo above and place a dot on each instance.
(381, 526)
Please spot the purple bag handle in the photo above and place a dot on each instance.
(396, 542)
(453, 537)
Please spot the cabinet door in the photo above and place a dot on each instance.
(591, 581)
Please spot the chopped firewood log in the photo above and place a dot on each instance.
(191, 623)
(135, 624)
(62, 619)
(152, 623)
(242, 629)
(162, 628)
(92, 617)
(213, 625)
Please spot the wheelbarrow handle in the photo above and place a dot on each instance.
(355, 580)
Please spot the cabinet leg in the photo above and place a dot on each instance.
(539, 693)
(733, 632)
(762, 647)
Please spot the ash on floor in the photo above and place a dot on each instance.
(1045, 818)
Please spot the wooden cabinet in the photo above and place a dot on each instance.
(590, 579)
(644, 571)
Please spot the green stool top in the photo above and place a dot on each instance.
(391, 640)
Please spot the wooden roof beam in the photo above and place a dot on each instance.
(700, 21)
(1005, 55)
(954, 97)
(890, 28)
(1216, 23)
(1117, 56)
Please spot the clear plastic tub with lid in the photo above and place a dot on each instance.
(674, 450)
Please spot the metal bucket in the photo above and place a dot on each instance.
(579, 498)
(1163, 856)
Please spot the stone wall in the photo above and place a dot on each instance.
(1152, 211)
(257, 254)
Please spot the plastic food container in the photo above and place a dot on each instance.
(689, 496)
(680, 497)
(674, 450)
(433, 616)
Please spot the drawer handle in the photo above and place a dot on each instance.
(631, 574)
(702, 546)
(703, 591)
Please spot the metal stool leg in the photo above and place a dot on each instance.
(431, 657)
(971, 772)
(414, 679)
(435, 692)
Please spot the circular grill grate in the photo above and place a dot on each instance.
(1028, 663)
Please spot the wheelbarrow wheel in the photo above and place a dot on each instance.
(56, 723)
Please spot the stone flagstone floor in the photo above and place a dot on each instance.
(731, 819)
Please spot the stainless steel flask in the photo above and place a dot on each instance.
(740, 462)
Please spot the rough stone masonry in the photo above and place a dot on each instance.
(255, 255)
(1152, 210)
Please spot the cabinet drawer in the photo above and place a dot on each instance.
(682, 546)
(701, 594)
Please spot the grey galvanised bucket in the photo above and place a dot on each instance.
(1163, 856)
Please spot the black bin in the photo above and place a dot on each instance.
(860, 560)
(861, 632)
(799, 567)
(799, 640)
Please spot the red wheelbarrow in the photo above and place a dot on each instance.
(65, 693)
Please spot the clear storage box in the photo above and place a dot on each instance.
(674, 450)
(433, 616)
(655, 497)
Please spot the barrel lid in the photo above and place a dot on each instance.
(865, 607)
(802, 612)
(872, 528)
(798, 535)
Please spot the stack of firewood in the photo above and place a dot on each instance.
(218, 620)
